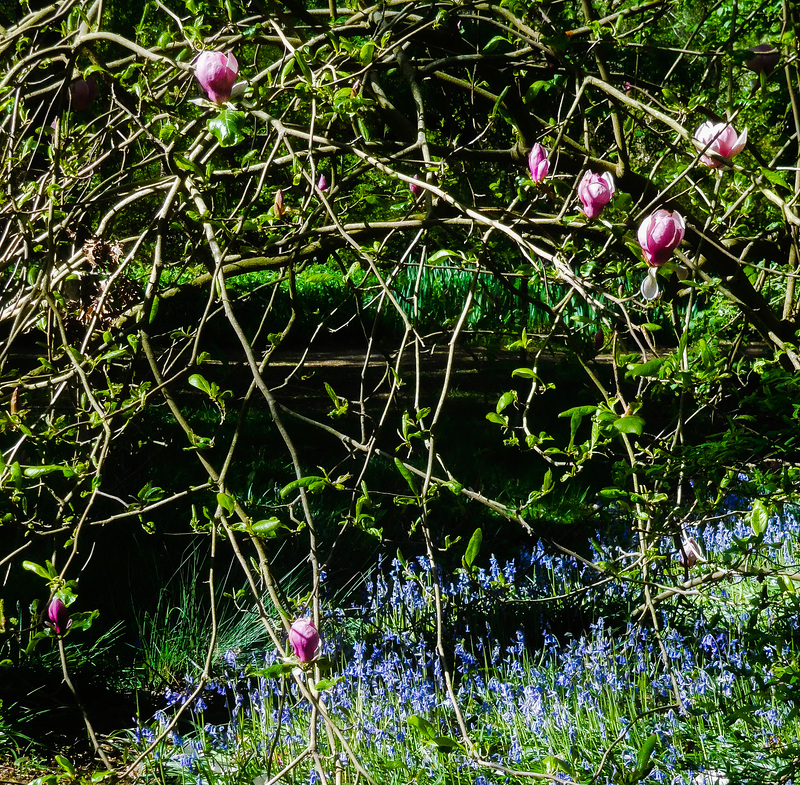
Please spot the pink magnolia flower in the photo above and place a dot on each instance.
(416, 190)
(322, 183)
(659, 235)
(82, 92)
(690, 552)
(216, 72)
(304, 639)
(766, 57)
(538, 163)
(595, 191)
(720, 143)
(59, 616)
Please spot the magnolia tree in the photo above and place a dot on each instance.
(607, 189)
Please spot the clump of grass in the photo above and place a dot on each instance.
(173, 640)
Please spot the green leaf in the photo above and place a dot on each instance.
(273, 671)
(473, 548)
(267, 528)
(446, 744)
(113, 354)
(66, 765)
(196, 380)
(630, 424)
(340, 405)
(82, 620)
(182, 162)
(34, 472)
(669, 96)
(34, 642)
(47, 574)
(499, 419)
(758, 518)
(454, 487)
(226, 502)
(367, 52)
(494, 43)
(227, 127)
(301, 61)
(650, 368)
(303, 482)
(576, 415)
(441, 255)
(286, 71)
(643, 764)
(506, 399)
(613, 493)
(362, 127)
(449, 542)
(553, 765)
(776, 178)
(785, 584)
(423, 726)
(407, 476)
(579, 411)
(332, 394)
(326, 684)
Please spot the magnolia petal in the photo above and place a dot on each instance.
(739, 146)
(649, 288)
(237, 91)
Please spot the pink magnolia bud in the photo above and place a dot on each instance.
(304, 639)
(720, 143)
(82, 92)
(216, 72)
(538, 163)
(416, 190)
(322, 183)
(595, 191)
(59, 616)
(690, 552)
(765, 60)
(659, 235)
(279, 208)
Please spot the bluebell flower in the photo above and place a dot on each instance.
(515, 751)
(709, 643)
